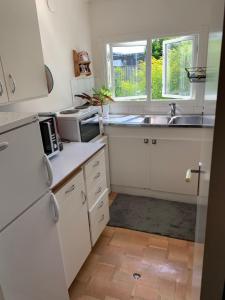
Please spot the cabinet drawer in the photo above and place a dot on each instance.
(96, 192)
(99, 217)
(95, 177)
(95, 164)
(71, 188)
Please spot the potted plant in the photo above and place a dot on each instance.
(103, 96)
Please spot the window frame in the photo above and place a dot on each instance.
(187, 101)
(194, 40)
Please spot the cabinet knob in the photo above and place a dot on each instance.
(154, 142)
(12, 84)
(146, 141)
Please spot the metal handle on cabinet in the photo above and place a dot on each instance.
(96, 164)
(146, 141)
(99, 190)
(49, 170)
(3, 146)
(1, 89)
(195, 171)
(13, 84)
(72, 188)
(97, 175)
(84, 196)
(102, 218)
(54, 208)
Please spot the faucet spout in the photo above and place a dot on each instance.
(172, 109)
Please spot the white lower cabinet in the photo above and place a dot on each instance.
(170, 160)
(99, 216)
(73, 226)
(154, 159)
(129, 161)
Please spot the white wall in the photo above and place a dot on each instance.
(116, 20)
(66, 29)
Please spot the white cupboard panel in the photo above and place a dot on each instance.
(170, 159)
(23, 175)
(21, 51)
(129, 161)
(73, 226)
(30, 260)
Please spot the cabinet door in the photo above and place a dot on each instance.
(3, 91)
(21, 51)
(170, 160)
(31, 266)
(129, 161)
(73, 226)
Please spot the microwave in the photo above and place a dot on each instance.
(49, 135)
(84, 126)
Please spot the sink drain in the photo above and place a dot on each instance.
(136, 276)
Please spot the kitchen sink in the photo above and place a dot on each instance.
(186, 120)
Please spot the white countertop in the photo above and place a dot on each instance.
(72, 157)
(11, 120)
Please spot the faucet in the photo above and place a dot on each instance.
(172, 109)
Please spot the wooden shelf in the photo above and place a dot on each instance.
(81, 68)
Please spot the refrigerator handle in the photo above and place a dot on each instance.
(49, 170)
(54, 208)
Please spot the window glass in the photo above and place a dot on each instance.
(129, 70)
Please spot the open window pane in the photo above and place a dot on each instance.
(129, 70)
(177, 55)
(170, 57)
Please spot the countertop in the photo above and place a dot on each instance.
(11, 120)
(73, 156)
(185, 121)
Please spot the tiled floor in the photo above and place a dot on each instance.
(165, 266)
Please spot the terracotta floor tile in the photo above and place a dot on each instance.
(146, 292)
(165, 266)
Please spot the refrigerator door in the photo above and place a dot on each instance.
(31, 266)
(24, 176)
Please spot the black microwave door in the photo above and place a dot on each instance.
(89, 129)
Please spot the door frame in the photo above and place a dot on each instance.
(213, 276)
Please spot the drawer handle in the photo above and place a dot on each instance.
(102, 218)
(84, 197)
(97, 175)
(98, 191)
(101, 204)
(96, 164)
(3, 146)
(72, 188)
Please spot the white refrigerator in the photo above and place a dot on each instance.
(31, 266)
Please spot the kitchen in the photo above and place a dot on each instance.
(107, 201)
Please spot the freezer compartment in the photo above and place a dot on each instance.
(24, 176)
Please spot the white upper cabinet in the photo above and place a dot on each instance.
(21, 51)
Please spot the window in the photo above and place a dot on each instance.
(127, 70)
(130, 68)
